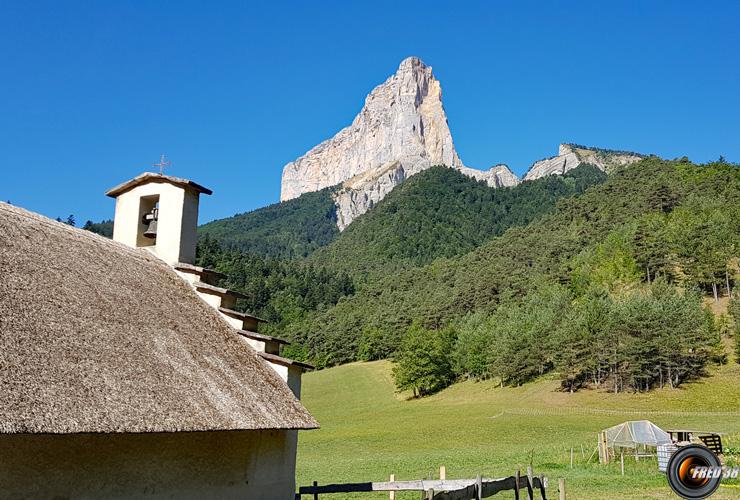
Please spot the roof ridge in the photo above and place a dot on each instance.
(77, 231)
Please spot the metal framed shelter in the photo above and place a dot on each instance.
(636, 435)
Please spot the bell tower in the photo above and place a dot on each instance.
(158, 212)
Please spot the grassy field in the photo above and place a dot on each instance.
(368, 431)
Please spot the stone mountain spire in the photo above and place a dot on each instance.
(402, 120)
(400, 131)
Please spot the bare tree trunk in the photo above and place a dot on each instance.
(727, 283)
(648, 273)
(714, 291)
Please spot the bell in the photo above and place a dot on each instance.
(151, 230)
(151, 220)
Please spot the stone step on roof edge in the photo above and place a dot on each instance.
(190, 268)
(200, 286)
(259, 336)
(240, 315)
(285, 361)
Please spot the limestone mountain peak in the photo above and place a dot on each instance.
(401, 130)
(411, 62)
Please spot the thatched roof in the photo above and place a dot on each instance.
(99, 337)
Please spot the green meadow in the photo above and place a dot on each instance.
(368, 431)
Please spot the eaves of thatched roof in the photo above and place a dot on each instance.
(99, 337)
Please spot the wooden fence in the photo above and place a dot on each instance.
(523, 486)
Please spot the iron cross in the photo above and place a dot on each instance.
(163, 163)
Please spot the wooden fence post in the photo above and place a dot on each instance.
(516, 485)
(530, 483)
(479, 487)
(392, 494)
(603, 448)
(621, 459)
(571, 458)
(442, 472)
(542, 487)
(561, 488)
(315, 494)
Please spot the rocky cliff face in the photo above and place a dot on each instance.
(571, 155)
(402, 120)
(400, 131)
(362, 192)
(497, 176)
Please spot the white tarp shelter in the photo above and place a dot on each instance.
(635, 433)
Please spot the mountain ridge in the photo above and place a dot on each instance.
(401, 130)
(442, 213)
(285, 230)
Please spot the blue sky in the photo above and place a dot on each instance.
(92, 92)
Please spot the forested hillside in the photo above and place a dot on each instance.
(103, 228)
(619, 262)
(437, 213)
(441, 212)
(283, 292)
(292, 229)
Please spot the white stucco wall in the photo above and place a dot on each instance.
(195, 465)
(255, 344)
(294, 380)
(235, 322)
(190, 277)
(211, 299)
(290, 374)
